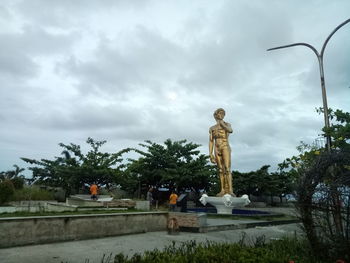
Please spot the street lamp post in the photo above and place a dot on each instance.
(320, 62)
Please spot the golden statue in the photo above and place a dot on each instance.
(218, 140)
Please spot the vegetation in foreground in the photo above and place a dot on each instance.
(259, 251)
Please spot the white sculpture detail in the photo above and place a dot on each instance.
(226, 203)
(203, 199)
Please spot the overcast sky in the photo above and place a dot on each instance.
(135, 70)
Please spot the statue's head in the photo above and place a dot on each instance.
(219, 110)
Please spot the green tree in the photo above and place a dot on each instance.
(339, 129)
(12, 173)
(245, 183)
(175, 164)
(74, 169)
(6, 191)
(254, 182)
(15, 176)
(262, 183)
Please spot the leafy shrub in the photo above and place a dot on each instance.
(278, 251)
(6, 191)
(18, 182)
(32, 193)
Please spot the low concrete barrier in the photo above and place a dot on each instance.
(72, 205)
(188, 221)
(85, 203)
(27, 206)
(143, 205)
(47, 229)
(60, 207)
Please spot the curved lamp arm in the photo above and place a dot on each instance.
(297, 44)
(331, 34)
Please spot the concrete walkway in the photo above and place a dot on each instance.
(91, 251)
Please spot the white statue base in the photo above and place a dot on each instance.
(226, 203)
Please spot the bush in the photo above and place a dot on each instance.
(18, 182)
(6, 191)
(278, 251)
(31, 193)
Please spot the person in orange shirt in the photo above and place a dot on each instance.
(172, 201)
(93, 192)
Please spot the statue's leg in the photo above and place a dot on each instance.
(222, 183)
(221, 168)
(227, 164)
(229, 179)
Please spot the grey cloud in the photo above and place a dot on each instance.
(235, 54)
(37, 41)
(4, 13)
(18, 51)
(143, 61)
(66, 13)
(337, 64)
(16, 65)
(150, 58)
(87, 116)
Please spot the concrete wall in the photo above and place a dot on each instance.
(46, 229)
